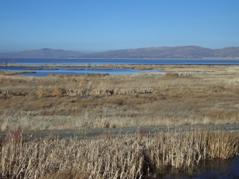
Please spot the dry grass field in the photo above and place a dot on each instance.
(122, 157)
(184, 95)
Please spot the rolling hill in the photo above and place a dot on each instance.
(152, 52)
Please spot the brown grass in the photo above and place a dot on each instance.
(114, 157)
(184, 95)
(171, 75)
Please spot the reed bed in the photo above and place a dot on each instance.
(122, 157)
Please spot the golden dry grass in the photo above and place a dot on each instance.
(184, 95)
(122, 157)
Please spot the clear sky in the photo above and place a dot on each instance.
(95, 25)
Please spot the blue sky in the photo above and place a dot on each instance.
(95, 25)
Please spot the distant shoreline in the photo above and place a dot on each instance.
(125, 58)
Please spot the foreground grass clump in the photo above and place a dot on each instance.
(120, 157)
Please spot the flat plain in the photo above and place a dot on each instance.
(183, 95)
(126, 126)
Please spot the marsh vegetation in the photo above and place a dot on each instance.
(137, 156)
(183, 96)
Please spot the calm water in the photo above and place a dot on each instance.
(84, 71)
(112, 71)
(79, 71)
(215, 169)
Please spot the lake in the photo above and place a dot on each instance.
(95, 70)
(28, 71)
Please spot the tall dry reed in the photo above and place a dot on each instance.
(121, 157)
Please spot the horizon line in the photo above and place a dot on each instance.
(131, 48)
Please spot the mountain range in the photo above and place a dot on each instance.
(151, 52)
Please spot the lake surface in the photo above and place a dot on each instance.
(28, 71)
(95, 70)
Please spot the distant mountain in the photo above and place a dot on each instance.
(44, 53)
(159, 52)
(232, 52)
(152, 52)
